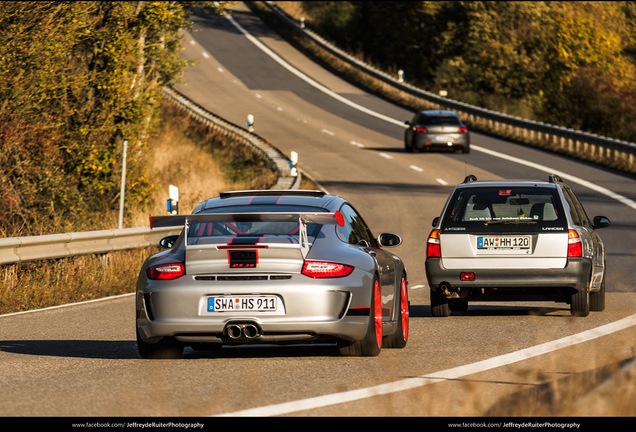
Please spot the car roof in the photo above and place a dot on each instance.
(283, 197)
(471, 181)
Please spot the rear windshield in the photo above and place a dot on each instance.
(250, 228)
(441, 120)
(504, 210)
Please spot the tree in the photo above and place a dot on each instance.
(80, 77)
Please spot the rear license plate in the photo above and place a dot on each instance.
(503, 242)
(243, 303)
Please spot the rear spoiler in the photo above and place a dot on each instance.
(302, 218)
(181, 220)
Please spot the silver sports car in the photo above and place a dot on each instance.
(272, 267)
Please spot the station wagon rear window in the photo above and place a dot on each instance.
(506, 209)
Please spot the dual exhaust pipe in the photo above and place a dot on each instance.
(242, 331)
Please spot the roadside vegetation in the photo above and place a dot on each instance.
(570, 64)
(185, 153)
(76, 80)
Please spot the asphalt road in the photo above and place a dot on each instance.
(82, 360)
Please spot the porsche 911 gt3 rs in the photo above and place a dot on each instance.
(272, 267)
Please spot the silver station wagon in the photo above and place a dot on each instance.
(515, 241)
(272, 267)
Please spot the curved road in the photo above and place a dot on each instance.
(81, 360)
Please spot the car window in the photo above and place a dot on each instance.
(354, 229)
(441, 120)
(579, 216)
(504, 209)
(199, 232)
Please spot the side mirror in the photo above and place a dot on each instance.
(601, 222)
(168, 242)
(435, 221)
(406, 122)
(389, 240)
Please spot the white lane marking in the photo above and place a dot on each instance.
(448, 374)
(258, 96)
(206, 55)
(67, 305)
(328, 132)
(417, 287)
(416, 168)
(442, 182)
(308, 80)
(357, 144)
(386, 156)
(220, 69)
(628, 202)
(602, 190)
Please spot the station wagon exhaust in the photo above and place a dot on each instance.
(448, 291)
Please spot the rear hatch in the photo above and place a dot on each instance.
(504, 227)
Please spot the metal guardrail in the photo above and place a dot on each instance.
(14, 250)
(603, 150)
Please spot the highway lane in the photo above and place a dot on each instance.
(82, 360)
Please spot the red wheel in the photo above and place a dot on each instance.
(401, 335)
(377, 313)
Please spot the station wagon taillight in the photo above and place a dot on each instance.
(421, 129)
(433, 247)
(165, 271)
(463, 129)
(575, 247)
(320, 269)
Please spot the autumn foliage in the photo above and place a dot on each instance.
(567, 63)
(76, 80)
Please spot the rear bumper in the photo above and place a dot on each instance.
(511, 284)
(309, 309)
(423, 141)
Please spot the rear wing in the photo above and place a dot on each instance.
(181, 220)
(301, 218)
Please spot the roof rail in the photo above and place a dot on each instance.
(273, 192)
(553, 178)
(470, 178)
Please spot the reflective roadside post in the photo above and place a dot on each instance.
(250, 122)
(400, 75)
(293, 164)
(173, 200)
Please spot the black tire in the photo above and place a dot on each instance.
(401, 335)
(408, 148)
(371, 345)
(166, 348)
(439, 305)
(580, 303)
(466, 149)
(597, 299)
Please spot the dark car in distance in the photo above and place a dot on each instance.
(436, 129)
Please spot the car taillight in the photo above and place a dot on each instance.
(575, 248)
(433, 247)
(421, 129)
(165, 271)
(463, 129)
(320, 269)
